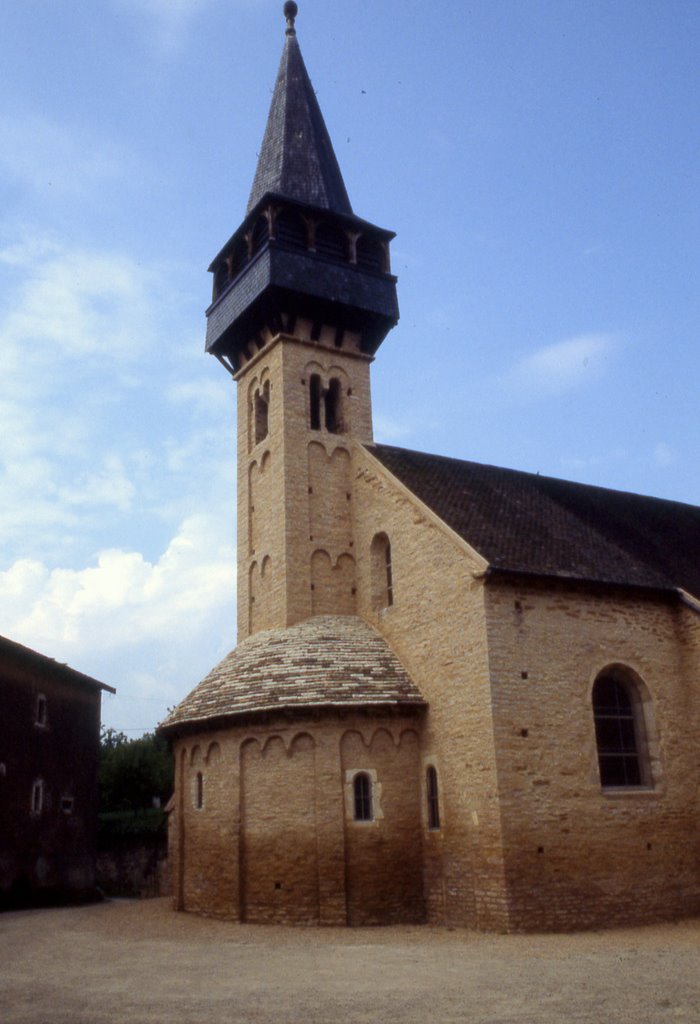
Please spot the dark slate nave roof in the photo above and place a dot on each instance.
(523, 522)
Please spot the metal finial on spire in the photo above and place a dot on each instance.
(290, 12)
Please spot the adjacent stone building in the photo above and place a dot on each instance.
(49, 757)
(461, 694)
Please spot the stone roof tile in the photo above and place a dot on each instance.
(327, 661)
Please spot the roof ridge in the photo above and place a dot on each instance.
(534, 475)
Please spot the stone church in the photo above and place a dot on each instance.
(461, 694)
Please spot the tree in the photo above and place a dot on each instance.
(134, 773)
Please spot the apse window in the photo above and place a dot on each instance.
(620, 732)
(199, 791)
(431, 786)
(362, 793)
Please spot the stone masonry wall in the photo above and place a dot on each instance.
(578, 855)
(436, 627)
(275, 840)
(295, 544)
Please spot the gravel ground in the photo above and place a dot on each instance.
(139, 962)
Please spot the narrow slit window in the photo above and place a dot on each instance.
(389, 576)
(315, 402)
(262, 412)
(431, 781)
(199, 791)
(382, 572)
(362, 790)
(333, 401)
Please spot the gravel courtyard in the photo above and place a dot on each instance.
(139, 962)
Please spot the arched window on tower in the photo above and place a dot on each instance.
(433, 798)
(381, 572)
(620, 731)
(315, 393)
(362, 796)
(334, 407)
(262, 412)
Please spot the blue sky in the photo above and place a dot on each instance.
(539, 163)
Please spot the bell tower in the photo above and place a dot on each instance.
(303, 297)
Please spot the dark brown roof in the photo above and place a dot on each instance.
(12, 650)
(523, 522)
(297, 159)
(327, 661)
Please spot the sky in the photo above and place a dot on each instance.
(538, 160)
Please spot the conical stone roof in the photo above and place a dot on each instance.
(330, 661)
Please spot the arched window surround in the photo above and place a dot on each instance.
(355, 797)
(624, 729)
(362, 797)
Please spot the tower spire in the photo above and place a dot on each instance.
(296, 159)
(301, 260)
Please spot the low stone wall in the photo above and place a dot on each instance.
(132, 855)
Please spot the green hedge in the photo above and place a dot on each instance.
(118, 824)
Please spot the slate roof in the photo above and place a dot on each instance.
(297, 160)
(327, 661)
(526, 523)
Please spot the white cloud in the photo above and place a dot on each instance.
(560, 368)
(74, 302)
(130, 622)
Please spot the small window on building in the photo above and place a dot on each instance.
(334, 410)
(315, 402)
(199, 791)
(431, 783)
(619, 731)
(362, 791)
(41, 710)
(67, 804)
(382, 574)
(37, 804)
(262, 409)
